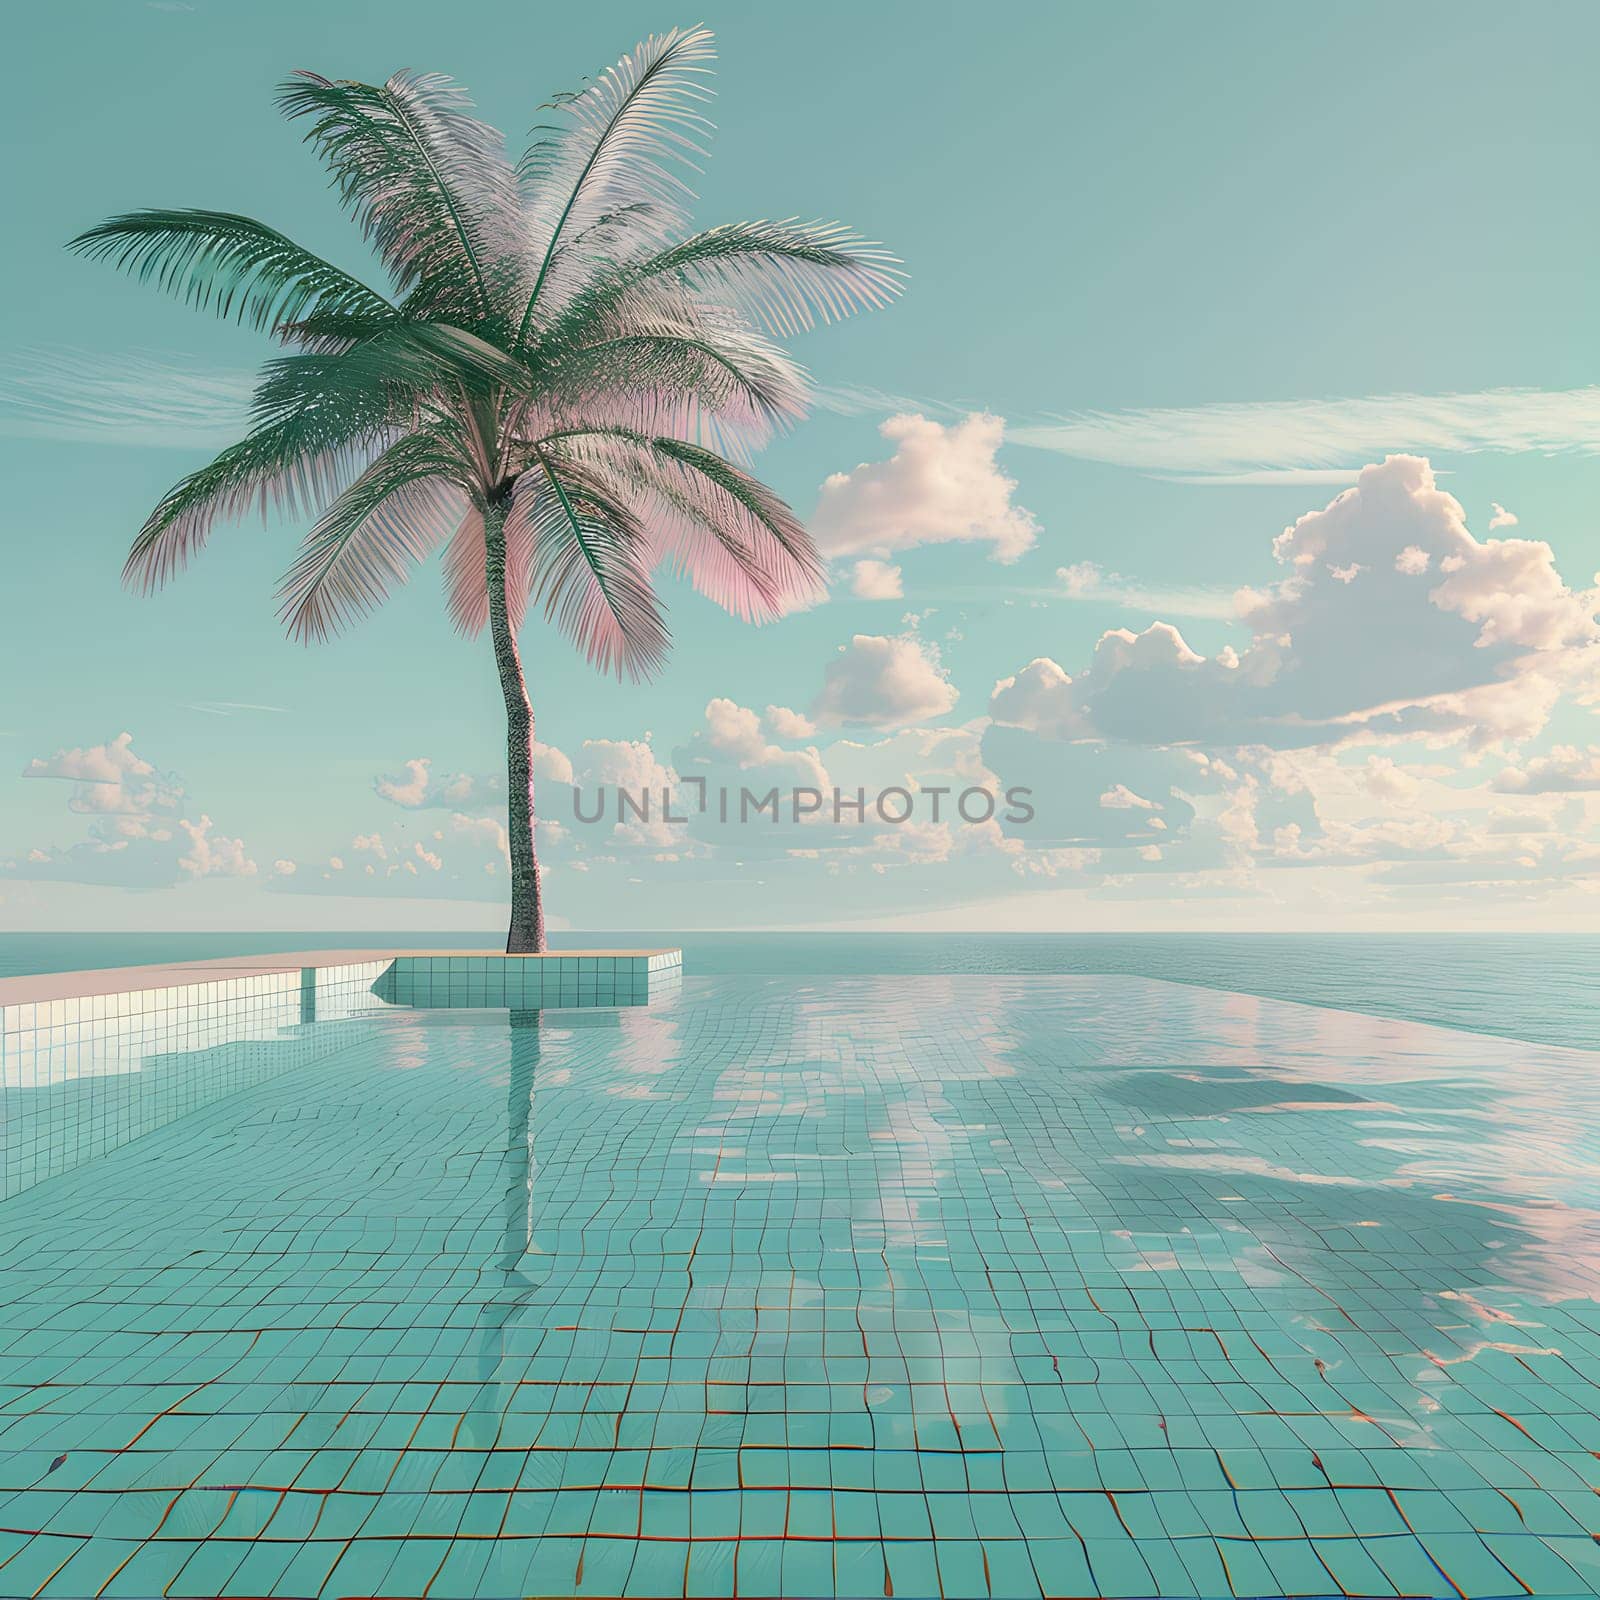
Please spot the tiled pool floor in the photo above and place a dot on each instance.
(910, 1286)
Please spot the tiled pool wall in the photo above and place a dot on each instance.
(532, 982)
(82, 1075)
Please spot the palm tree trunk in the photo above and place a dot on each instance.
(526, 935)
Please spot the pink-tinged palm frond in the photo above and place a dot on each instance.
(709, 521)
(615, 155)
(465, 569)
(590, 565)
(780, 275)
(406, 503)
(736, 541)
(233, 265)
(428, 182)
(466, 588)
(785, 275)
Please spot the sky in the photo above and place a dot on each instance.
(1226, 479)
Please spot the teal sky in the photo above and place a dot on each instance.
(1137, 234)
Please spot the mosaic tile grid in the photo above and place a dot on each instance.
(531, 981)
(83, 1076)
(956, 1287)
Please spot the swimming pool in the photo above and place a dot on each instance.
(902, 1285)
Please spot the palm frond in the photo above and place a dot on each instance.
(293, 465)
(465, 584)
(728, 381)
(388, 378)
(617, 149)
(739, 543)
(589, 566)
(330, 332)
(465, 575)
(401, 508)
(235, 265)
(428, 182)
(785, 274)
(735, 540)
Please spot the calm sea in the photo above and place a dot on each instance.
(1539, 987)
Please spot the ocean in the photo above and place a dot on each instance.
(1537, 987)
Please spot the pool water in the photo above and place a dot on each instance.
(911, 1286)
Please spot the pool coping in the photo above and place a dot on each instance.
(33, 988)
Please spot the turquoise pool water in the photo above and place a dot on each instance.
(924, 1286)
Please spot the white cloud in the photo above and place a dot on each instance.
(1480, 648)
(133, 399)
(463, 858)
(876, 580)
(631, 766)
(941, 486)
(734, 732)
(1388, 782)
(1040, 699)
(1501, 518)
(884, 683)
(110, 779)
(139, 836)
(212, 855)
(1121, 798)
(418, 788)
(787, 724)
(1319, 441)
(1566, 770)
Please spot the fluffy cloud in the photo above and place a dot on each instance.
(787, 724)
(110, 780)
(880, 682)
(1121, 798)
(631, 767)
(462, 858)
(941, 486)
(418, 788)
(1039, 698)
(734, 734)
(139, 836)
(212, 855)
(876, 580)
(1433, 634)
(1566, 770)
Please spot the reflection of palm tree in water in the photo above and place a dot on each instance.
(515, 1289)
(517, 1163)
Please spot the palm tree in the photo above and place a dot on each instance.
(564, 387)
